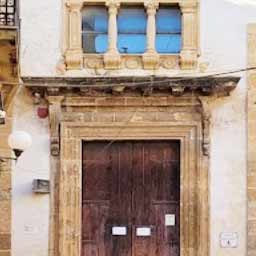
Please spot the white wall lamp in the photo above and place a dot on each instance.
(18, 141)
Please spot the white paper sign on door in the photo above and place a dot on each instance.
(143, 231)
(119, 231)
(169, 219)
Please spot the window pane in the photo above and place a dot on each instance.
(101, 43)
(168, 43)
(132, 20)
(95, 29)
(168, 20)
(128, 43)
(168, 30)
(132, 23)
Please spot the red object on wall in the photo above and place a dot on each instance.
(42, 112)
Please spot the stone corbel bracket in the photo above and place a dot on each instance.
(54, 101)
(205, 111)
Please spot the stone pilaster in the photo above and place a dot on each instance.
(189, 34)
(150, 57)
(55, 116)
(112, 58)
(74, 53)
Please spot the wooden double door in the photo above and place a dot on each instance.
(131, 198)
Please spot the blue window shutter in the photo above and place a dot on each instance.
(168, 43)
(132, 20)
(100, 24)
(101, 43)
(128, 43)
(168, 30)
(132, 23)
(168, 20)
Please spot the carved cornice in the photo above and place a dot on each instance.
(177, 86)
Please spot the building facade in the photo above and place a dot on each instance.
(139, 113)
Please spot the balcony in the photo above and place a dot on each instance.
(8, 13)
(9, 21)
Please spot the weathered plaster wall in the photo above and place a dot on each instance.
(223, 48)
(40, 36)
(30, 211)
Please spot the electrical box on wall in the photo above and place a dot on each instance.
(41, 186)
(229, 240)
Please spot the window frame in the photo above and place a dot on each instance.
(75, 59)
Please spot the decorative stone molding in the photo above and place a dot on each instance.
(96, 61)
(190, 25)
(169, 62)
(206, 121)
(74, 53)
(151, 57)
(55, 117)
(185, 86)
(194, 201)
(178, 90)
(112, 59)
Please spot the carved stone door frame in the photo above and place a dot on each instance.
(194, 178)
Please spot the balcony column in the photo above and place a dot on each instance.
(189, 34)
(151, 57)
(74, 53)
(112, 58)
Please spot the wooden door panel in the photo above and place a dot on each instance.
(132, 184)
(106, 181)
(144, 246)
(156, 192)
(167, 235)
(120, 200)
(89, 248)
